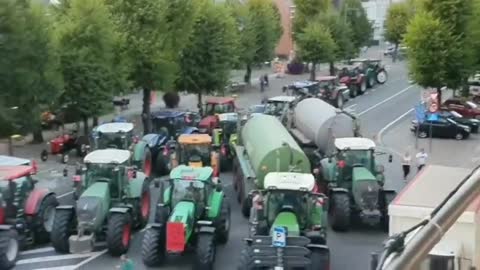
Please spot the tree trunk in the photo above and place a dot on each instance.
(95, 121)
(395, 53)
(332, 68)
(146, 110)
(37, 134)
(312, 72)
(200, 105)
(248, 74)
(465, 88)
(439, 96)
(85, 125)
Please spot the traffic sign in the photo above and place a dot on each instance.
(279, 238)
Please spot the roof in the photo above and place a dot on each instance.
(358, 60)
(354, 143)
(442, 179)
(14, 172)
(108, 156)
(13, 161)
(191, 173)
(325, 78)
(228, 117)
(290, 181)
(220, 100)
(282, 99)
(167, 114)
(115, 127)
(303, 84)
(194, 139)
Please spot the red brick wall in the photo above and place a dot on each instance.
(285, 44)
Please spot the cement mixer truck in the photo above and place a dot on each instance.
(344, 164)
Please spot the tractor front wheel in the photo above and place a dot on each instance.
(153, 246)
(43, 220)
(144, 205)
(119, 232)
(223, 223)
(61, 230)
(205, 252)
(320, 259)
(340, 212)
(147, 162)
(247, 261)
(9, 249)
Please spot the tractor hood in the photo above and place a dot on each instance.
(93, 205)
(184, 212)
(208, 121)
(365, 188)
(289, 221)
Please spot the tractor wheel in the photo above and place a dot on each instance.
(246, 205)
(61, 230)
(43, 220)
(223, 223)
(353, 90)
(147, 162)
(385, 219)
(9, 249)
(205, 252)
(339, 101)
(363, 86)
(144, 205)
(161, 165)
(320, 260)
(371, 81)
(44, 155)
(246, 259)
(119, 232)
(382, 77)
(161, 215)
(340, 212)
(153, 246)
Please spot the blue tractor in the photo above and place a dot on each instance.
(167, 125)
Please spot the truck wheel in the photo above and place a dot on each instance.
(382, 77)
(246, 260)
(43, 220)
(153, 246)
(385, 219)
(61, 230)
(147, 162)
(320, 259)
(223, 223)
(9, 248)
(340, 212)
(119, 232)
(161, 214)
(144, 205)
(205, 252)
(340, 101)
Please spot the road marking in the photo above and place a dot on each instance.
(90, 259)
(57, 268)
(56, 258)
(389, 125)
(65, 194)
(38, 250)
(386, 100)
(351, 107)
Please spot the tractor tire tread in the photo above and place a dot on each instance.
(5, 237)
(41, 234)
(320, 260)
(205, 252)
(116, 224)
(222, 230)
(246, 259)
(61, 229)
(153, 247)
(341, 212)
(141, 221)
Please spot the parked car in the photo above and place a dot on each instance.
(472, 123)
(466, 108)
(442, 128)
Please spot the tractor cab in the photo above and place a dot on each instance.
(277, 105)
(173, 123)
(214, 106)
(114, 135)
(196, 150)
(225, 137)
(305, 88)
(372, 68)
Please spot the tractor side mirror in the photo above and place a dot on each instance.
(390, 158)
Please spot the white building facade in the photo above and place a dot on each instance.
(376, 12)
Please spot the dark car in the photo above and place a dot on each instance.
(472, 123)
(441, 128)
(466, 108)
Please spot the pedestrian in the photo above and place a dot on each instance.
(265, 80)
(421, 159)
(406, 163)
(262, 84)
(127, 264)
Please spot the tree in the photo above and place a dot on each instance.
(315, 45)
(306, 10)
(354, 14)
(156, 30)
(86, 34)
(206, 60)
(29, 75)
(398, 17)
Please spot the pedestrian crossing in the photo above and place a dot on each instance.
(46, 258)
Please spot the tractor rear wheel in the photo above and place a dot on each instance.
(147, 162)
(43, 220)
(61, 230)
(339, 101)
(340, 212)
(246, 259)
(119, 232)
(363, 86)
(205, 252)
(9, 248)
(223, 223)
(144, 205)
(153, 246)
(320, 259)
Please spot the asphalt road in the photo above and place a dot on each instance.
(351, 250)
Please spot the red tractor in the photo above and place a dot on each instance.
(63, 144)
(26, 212)
(351, 76)
(213, 107)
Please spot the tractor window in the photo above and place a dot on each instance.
(113, 140)
(359, 157)
(97, 172)
(196, 151)
(215, 108)
(294, 201)
(275, 108)
(185, 190)
(162, 126)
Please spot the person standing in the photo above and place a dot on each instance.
(421, 159)
(406, 163)
(126, 264)
(265, 80)
(262, 84)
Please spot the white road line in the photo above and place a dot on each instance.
(386, 100)
(351, 107)
(90, 259)
(38, 250)
(389, 125)
(57, 268)
(57, 258)
(64, 194)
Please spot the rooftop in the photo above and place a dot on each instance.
(219, 100)
(194, 139)
(290, 181)
(115, 127)
(14, 172)
(354, 143)
(107, 156)
(13, 161)
(190, 173)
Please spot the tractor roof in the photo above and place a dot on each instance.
(14, 172)
(220, 100)
(304, 84)
(232, 117)
(283, 99)
(325, 78)
(354, 143)
(167, 114)
(358, 60)
(190, 173)
(115, 127)
(108, 156)
(194, 139)
(289, 181)
(13, 161)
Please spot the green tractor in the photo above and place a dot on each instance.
(225, 138)
(114, 200)
(354, 183)
(288, 225)
(192, 213)
(119, 135)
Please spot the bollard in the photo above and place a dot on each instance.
(373, 261)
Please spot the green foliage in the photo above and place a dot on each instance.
(357, 18)
(315, 43)
(341, 34)
(209, 54)
(398, 17)
(29, 75)
(474, 37)
(88, 40)
(307, 10)
(454, 13)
